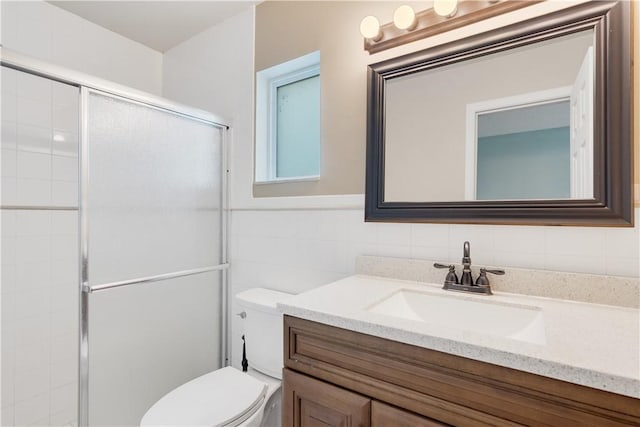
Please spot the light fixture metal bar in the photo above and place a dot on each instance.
(429, 23)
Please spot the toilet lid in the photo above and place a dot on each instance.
(222, 397)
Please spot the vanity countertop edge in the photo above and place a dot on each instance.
(588, 344)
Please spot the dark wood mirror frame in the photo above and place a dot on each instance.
(613, 158)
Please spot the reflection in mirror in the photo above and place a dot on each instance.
(513, 125)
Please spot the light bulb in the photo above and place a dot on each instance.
(370, 28)
(446, 8)
(404, 18)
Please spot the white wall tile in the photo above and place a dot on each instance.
(65, 144)
(7, 415)
(9, 249)
(65, 169)
(440, 254)
(64, 248)
(34, 87)
(590, 264)
(8, 133)
(64, 94)
(481, 241)
(575, 241)
(65, 118)
(430, 235)
(33, 307)
(395, 251)
(519, 239)
(67, 418)
(32, 410)
(8, 273)
(33, 275)
(64, 222)
(34, 138)
(623, 266)
(9, 78)
(623, 242)
(534, 261)
(64, 365)
(9, 191)
(9, 163)
(34, 165)
(33, 223)
(34, 113)
(9, 104)
(64, 399)
(33, 249)
(394, 234)
(31, 382)
(64, 272)
(64, 193)
(8, 368)
(8, 223)
(33, 191)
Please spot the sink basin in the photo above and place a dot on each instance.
(515, 321)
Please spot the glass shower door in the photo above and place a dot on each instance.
(153, 258)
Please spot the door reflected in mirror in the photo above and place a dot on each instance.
(513, 125)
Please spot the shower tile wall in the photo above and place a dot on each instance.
(39, 287)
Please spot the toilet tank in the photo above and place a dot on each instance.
(263, 329)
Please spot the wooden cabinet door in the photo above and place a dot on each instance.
(307, 402)
(383, 415)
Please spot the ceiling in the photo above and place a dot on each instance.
(159, 25)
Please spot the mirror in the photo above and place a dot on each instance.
(517, 125)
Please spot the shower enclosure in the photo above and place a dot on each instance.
(113, 247)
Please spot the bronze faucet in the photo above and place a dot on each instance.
(466, 283)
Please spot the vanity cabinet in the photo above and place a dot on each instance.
(337, 377)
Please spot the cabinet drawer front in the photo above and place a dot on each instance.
(451, 389)
(307, 402)
(383, 415)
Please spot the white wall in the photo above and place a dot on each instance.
(44, 31)
(282, 243)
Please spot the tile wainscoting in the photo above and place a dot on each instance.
(297, 250)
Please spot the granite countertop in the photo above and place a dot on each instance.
(594, 345)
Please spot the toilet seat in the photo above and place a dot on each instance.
(225, 397)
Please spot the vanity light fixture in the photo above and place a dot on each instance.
(446, 15)
(370, 28)
(446, 8)
(404, 18)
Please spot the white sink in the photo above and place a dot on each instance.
(515, 321)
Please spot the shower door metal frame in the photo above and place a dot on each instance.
(88, 84)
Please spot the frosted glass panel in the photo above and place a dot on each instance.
(148, 339)
(298, 128)
(154, 187)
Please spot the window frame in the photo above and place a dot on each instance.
(266, 139)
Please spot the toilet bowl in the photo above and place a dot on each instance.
(227, 396)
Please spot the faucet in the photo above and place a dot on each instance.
(467, 279)
(466, 283)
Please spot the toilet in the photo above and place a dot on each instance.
(229, 397)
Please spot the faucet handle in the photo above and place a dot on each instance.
(483, 280)
(438, 265)
(452, 277)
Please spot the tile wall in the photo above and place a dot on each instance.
(39, 287)
(296, 250)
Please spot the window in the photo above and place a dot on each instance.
(288, 121)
